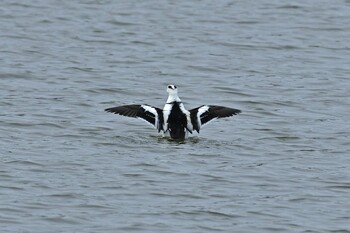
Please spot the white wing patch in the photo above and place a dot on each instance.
(200, 112)
(188, 116)
(166, 113)
(154, 112)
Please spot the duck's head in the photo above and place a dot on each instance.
(171, 89)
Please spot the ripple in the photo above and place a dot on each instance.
(121, 23)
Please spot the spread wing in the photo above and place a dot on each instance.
(206, 113)
(152, 115)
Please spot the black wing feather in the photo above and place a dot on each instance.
(213, 112)
(136, 110)
(218, 112)
(126, 110)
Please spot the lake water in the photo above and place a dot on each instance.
(280, 166)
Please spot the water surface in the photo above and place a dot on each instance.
(280, 166)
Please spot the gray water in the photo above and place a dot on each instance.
(280, 166)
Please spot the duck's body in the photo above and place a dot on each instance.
(174, 118)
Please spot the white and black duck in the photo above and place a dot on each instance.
(174, 118)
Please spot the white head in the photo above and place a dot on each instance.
(171, 89)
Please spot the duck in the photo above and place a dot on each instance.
(174, 119)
